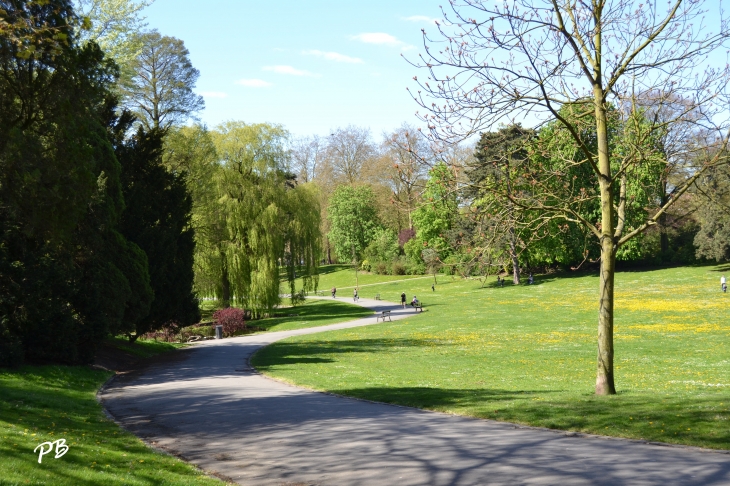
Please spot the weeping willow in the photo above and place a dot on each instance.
(266, 225)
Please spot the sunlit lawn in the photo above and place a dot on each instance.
(343, 278)
(527, 355)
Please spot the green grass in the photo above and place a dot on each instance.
(144, 348)
(46, 403)
(315, 312)
(343, 278)
(527, 354)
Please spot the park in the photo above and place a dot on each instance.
(290, 244)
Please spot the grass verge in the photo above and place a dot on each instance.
(46, 403)
(526, 354)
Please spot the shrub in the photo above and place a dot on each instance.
(232, 319)
(398, 268)
(381, 268)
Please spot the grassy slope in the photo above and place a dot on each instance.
(46, 403)
(314, 313)
(343, 278)
(527, 355)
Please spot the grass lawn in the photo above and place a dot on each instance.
(527, 355)
(343, 278)
(47, 403)
(315, 312)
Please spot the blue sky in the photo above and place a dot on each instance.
(309, 65)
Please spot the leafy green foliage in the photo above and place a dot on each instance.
(435, 217)
(353, 217)
(259, 220)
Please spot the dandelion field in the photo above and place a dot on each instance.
(526, 354)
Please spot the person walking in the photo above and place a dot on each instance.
(530, 280)
(723, 283)
(355, 296)
(334, 292)
(403, 300)
(433, 287)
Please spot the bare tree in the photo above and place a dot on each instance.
(408, 156)
(525, 60)
(308, 156)
(348, 150)
(161, 91)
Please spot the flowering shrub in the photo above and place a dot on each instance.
(232, 320)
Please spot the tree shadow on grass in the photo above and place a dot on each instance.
(698, 421)
(289, 353)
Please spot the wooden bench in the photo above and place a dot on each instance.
(418, 307)
(383, 315)
(377, 296)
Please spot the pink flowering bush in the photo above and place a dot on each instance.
(232, 320)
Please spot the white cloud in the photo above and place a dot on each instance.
(420, 18)
(291, 71)
(214, 94)
(333, 56)
(253, 83)
(381, 38)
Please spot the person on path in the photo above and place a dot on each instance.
(403, 299)
(355, 296)
(334, 292)
(723, 283)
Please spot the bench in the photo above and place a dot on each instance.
(418, 307)
(383, 315)
(377, 296)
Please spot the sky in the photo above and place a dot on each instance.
(311, 66)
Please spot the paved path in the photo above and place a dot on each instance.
(209, 407)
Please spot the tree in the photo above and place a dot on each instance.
(270, 221)
(161, 92)
(408, 155)
(435, 216)
(67, 276)
(525, 60)
(353, 221)
(157, 217)
(308, 156)
(116, 26)
(501, 158)
(713, 197)
(348, 150)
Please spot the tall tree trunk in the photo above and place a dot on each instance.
(515, 259)
(512, 233)
(664, 237)
(329, 253)
(225, 284)
(604, 375)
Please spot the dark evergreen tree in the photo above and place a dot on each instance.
(67, 276)
(157, 218)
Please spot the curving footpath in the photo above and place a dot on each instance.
(209, 407)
